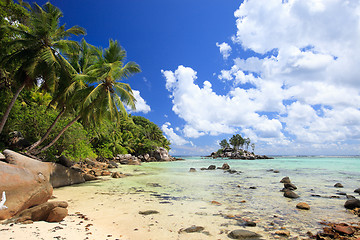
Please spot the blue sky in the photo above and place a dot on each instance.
(284, 73)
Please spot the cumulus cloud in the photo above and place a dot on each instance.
(225, 49)
(141, 105)
(301, 86)
(172, 136)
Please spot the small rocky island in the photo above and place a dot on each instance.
(238, 150)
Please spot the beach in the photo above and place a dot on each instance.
(215, 200)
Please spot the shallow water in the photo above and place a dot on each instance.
(171, 182)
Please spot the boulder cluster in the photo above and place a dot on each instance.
(237, 154)
(160, 154)
(288, 188)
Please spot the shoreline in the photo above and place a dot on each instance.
(112, 208)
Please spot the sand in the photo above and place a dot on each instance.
(97, 213)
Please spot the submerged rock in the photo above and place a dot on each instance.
(284, 233)
(244, 234)
(211, 167)
(148, 212)
(357, 190)
(290, 194)
(352, 203)
(192, 170)
(290, 186)
(338, 185)
(303, 205)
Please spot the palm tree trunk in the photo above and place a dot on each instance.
(7, 112)
(37, 143)
(60, 134)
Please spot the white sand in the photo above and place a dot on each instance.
(115, 215)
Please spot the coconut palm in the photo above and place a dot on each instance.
(38, 51)
(80, 59)
(105, 95)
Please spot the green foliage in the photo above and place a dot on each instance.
(224, 144)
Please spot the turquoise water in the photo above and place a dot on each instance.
(265, 204)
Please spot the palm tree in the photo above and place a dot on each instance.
(104, 95)
(253, 147)
(80, 59)
(37, 50)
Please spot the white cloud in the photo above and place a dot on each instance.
(140, 104)
(224, 49)
(172, 136)
(302, 90)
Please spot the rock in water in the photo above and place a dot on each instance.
(148, 212)
(357, 190)
(290, 186)
(211, 167)
(117, 175)
(193, 229)
(192, 170)
(244, 234)
(352, 203)
(225, 166)
(303, 205)
(285, 180)
(290, 194)
(338, 185)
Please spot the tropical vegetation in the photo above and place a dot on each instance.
(64, 96)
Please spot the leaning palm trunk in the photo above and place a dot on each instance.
(37, 143)
(59, 135)
(7, 112)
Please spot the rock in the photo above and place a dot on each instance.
(244, 234)
(112, 164)
(252, 187)
(211, 167)
(290, 194)
(17, 141)
(215, 203)
(64, 176)
(290, 186)
(192, 170)
(303, 205)
(148, 212)
(338, 185)
(134, 161)
(2, 157)
(285, 180)
(357, 190)
(161, 155)
(352, 203)
(193, 229)
(285, 233)
(276, 171)
(202, 169)
(57, 214)
(117, 175)
(105, 173)
(89, 177)
(250, 224)
(350, 196)
(225, 166)
(31, 164)
(41, 212)
(62, 160)
(231, 171)
(24, 187)
(344, 229)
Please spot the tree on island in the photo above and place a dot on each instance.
(247, 143)
(224, 144)
(253, 147)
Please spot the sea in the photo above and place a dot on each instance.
(253, 192)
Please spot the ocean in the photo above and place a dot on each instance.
(253, 192)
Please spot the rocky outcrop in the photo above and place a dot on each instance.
(237, 154)
(24, 188)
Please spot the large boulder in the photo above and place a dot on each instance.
(31, 164)
(50, 211)
(23, 187)
(63, 176)
(352, 203)
(161, 155)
